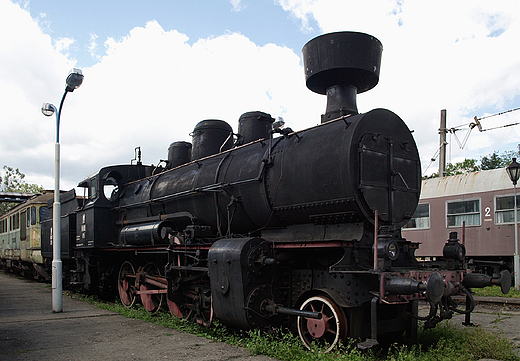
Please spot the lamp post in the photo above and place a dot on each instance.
(74, 80)
(513, 170)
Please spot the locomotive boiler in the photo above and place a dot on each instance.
(277, 227)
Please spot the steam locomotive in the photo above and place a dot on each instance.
(276, 227)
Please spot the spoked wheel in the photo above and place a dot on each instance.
(152, 302)
(174, 309)
(126, 284)
(327, 331)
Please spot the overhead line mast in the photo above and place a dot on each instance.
(443, 131)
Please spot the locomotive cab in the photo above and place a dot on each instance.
(96, 226)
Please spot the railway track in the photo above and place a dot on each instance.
(494, 301)
(498, 301)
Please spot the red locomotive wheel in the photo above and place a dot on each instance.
(126, 284)
(152, 302)
(172, 306)
(174, 309)
(327, 331)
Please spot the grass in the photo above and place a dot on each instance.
(445, 342)
(494, 291)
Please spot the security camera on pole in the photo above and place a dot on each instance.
(74, 80)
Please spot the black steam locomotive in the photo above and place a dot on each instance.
(276, 227)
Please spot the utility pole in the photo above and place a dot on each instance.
(442, 145)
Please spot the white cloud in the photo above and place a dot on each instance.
(461, 56)
(237, 5)
(300, 9)
(151, 87)
(28, 67)
(62, 45)
(93, 46)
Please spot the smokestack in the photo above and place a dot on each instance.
(341, 65)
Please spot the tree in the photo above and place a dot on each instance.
(491, 161)
(12, 181)
(467, 166)
(495, 160)
(464, 167)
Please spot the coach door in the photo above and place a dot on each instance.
(23, 226)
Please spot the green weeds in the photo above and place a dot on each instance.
(448, 342)
(444, 342)
(494, 291)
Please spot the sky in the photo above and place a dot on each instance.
(154, 69)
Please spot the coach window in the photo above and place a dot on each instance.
(421, 217)
(23, 225)
(33, 215)
(459, 212)
(45, 214)
(504, 209)
(15, 221)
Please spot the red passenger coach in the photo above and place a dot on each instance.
(478, 206)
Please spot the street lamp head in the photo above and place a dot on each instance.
(513, 171)
(74, 79)
(48, 109)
